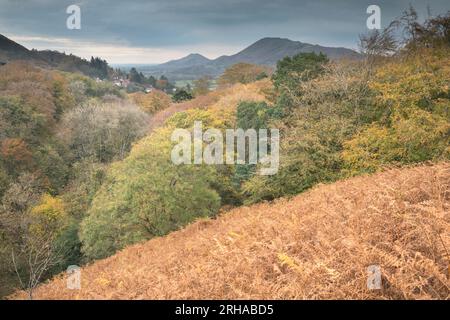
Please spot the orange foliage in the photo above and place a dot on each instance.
(317, 245)
(16, 149)
(42, 89)
(243, 73)
(151, 102)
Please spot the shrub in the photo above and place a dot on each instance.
(423, 136)
(414, 91)
(254, 115)
(309, 154)
(324, 115)
(4, 182)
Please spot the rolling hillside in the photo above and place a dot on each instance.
(317, 245)
(266, 51)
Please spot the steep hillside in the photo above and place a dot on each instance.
(316, 245)
(266, 51)
(12, 51)
(9, 48)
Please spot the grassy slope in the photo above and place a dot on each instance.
(316, 245)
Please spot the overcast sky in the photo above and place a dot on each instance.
(155, 31)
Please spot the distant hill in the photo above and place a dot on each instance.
(12, 51)
(194, 59)
(266, 51)
(317, 245)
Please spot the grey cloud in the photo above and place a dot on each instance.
(171, 23)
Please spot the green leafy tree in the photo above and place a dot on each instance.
(135, 76)
(250, 115)
(146, 196)
(301, 67)
(291, 72)
(181, 95)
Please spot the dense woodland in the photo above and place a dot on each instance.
(83, 173)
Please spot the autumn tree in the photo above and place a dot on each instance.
(162, 83)
(30, 224)
(16, 154)
(201, 86)
(151, 102)
(243, 73)
(102, 131)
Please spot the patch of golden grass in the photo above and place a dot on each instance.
(317, 245)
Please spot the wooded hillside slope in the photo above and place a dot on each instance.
(317, 245)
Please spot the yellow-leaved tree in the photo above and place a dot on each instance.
(151, 102)
(36, 249)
